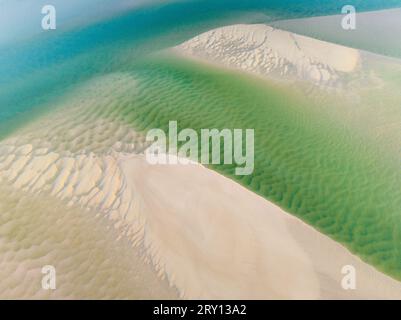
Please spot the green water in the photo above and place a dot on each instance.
(326, 161)
(319, 167)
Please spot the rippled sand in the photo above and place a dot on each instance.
(267, 52)
(78, 194)
(91, 258)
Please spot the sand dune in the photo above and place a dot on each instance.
(206, 235)
(269, 52)
(216, 239)
(209, 236)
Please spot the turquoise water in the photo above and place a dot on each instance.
(34, 72)
(316, 166)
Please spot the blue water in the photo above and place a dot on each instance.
(34, 73)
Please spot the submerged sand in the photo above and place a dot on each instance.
(189, 227)
(207, 235)
(193, 232)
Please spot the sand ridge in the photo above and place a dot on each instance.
(191, 223)
(208, 236)
(263, 50)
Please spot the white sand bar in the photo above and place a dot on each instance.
(266, 51)
(216, 239)
(206, 234)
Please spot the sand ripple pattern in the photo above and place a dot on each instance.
(87, 155)
(62, 174)
(269, 52)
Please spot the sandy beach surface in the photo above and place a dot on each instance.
(189, 227)
(205, 234)
(272, 53)
(216, 239)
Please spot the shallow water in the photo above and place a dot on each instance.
(35, 71)
(378, 25)
(91, 259)
(330, 161)
(327, 158)
(323, 160)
